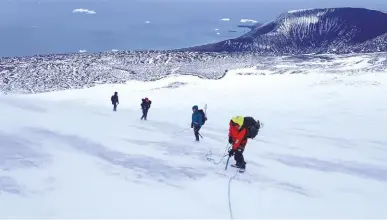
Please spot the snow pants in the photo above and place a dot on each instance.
(240, 160)
(196, 132)
(144, 113)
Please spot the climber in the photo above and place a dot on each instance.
(240, 129)
(115, 101)
(145, 106)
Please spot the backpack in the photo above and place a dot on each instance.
(252, 127)
(204, 117)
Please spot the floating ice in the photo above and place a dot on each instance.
(86, 11)
(244, 20)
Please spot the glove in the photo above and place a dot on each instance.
(231, 153)
(230, 141)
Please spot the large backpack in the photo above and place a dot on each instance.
(252, 127)
(204, 117)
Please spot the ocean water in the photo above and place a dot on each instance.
(29, 27)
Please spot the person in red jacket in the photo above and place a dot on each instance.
(241, 128)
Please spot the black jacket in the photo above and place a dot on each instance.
(146, 105)
(114, 99)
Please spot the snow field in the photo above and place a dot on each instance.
(321, 153)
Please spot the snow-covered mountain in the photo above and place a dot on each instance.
(320, 154)
(331, 30)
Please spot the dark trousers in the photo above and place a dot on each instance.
(196, 132)
(144, 113)
(114, 106)
(240, 160)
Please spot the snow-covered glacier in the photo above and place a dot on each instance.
(320, 154)
(330, 30)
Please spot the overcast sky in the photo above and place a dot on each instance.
(261, 10)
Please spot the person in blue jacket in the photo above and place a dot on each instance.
(197, 121)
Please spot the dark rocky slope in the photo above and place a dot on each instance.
(75, 71)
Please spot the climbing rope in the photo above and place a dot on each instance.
(208, 157)
(209, 154)
(174, 133)
(229, 192)
(214, 161)
(181, 131)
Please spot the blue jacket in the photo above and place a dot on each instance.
(197, 119)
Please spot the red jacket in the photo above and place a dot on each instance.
(239, 137)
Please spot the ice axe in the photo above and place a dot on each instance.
(228, 159)
(205, 113)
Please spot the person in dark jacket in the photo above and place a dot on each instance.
(196, 123)
(115, 101)
(145, 106)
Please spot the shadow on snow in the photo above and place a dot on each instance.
(17, 153)
(351, 168)
(150, 167)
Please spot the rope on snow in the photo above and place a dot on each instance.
(231, 178)
(174, 133)
(229, 192)
(181, 131)
(208, 157)
(209, 154)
